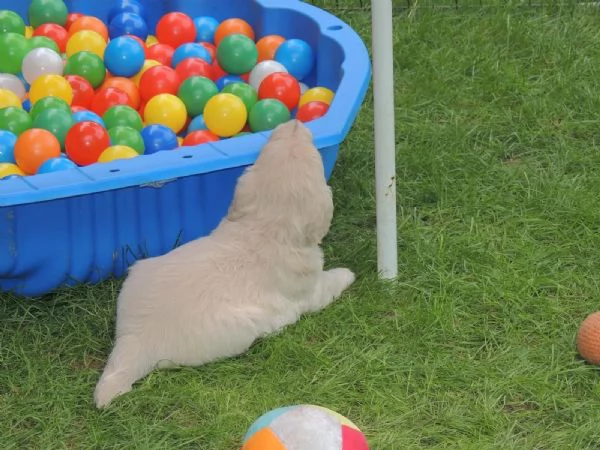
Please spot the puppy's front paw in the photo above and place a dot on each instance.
(342, 278)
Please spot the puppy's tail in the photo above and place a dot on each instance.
(128, 362)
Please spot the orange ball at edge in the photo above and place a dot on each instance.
(233, 26)
(33, 148)
(588, 338)
(267, 46)
(89, 23)
(128, 86)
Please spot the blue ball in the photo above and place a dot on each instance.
(88, 116)
(56, 165)
(205, 28)
(228, 79)
(158, 138)
(124, 56)
(190, 51)
(128, 23)
(27, 105)
(130, 6)
(197, 123)
(297, 57)
(10, 177)
(7, 146)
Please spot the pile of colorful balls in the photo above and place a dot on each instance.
(76, 91)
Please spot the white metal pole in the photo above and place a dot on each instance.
(385, 149)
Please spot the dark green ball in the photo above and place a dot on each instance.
(128, 136)
(87, 65)
(244, 91)
(43, 42)
(15, 120)
(237, 54)
(195, 92)
(56, 121)
(47, 11)
(11, 22)
(122, 115)
(267, 114)
(46, 103)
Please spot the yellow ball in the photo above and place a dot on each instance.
(51, 85)
(317, 94)
(8, 169)
(86, 40)
(28, 32)
(117, 152)
(179, 140)
(225, 115)
(148, 64)
(151, 40)
(9, 98)
(167, 110)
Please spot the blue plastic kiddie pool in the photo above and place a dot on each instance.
(87, 224)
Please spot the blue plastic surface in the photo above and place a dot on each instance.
(87, 224)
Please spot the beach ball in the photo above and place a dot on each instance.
(304, 427)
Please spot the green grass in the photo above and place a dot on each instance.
(473, 348)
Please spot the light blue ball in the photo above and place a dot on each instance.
(88, 116)
(297, 57)
(190, 50)
(124, 56)
(56, 165)
(197, 124)
(205, 28)
(7, 146)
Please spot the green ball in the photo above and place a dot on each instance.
(244, 91)
(43, 42)
(11, 22)
(56, 121)
(15, 120)
(87, 65)
(13, 48)
(123, 115)
(131, 137)
(237, 54)
(195, 92)
(267, 114)
(46, 103)
(47, 11)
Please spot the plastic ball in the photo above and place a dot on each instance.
(86, 40)
(311, 111)
(126, 85)
(166, 109)
(317, 94)
(233, 26)
(267, 46)
(195, 92)
(197, 123)
(267, 114)
(126, 6)
(115, 152)
(190, 50)
(158, 138)
(56, 121)
(128, 23)
(122, 115)
(13, 84)
(28, 31)
(85, 142)
(205, 28)
(191, 67)
(211, 49)
(226, 80)
(15, 120)
(303, 89)
(26, 105)
(7, 146)
(225, 115)
(56, 165)
(283, 87)
(47, 11)
(9, 98)
(71, 18)
(41, 61)
(297, 57)
(43, 42)
(106, 98)
(123, 135)
(88, 66)
(151, 40)
(264, 69)
(48, 103)
(88, 116)
(83, 92)
(199, 137)
(148, 64)
(11, 22)
(237, 54)
(244, 91)
(304, 427)
(159, 80)
(34, 147)
(89, 23)
(13, 48)
(51, 85)
(162, 53)
(54, 32)
(124, 56)
(588, 338)
(8, 170)
(175, 29)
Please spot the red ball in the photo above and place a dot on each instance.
(72, 17)
(85, 142)
(75, 109)
(159, 80)
(217, 70)
(281, 86)
(194, 67)
(199, 137)
(83, 91)
(108, 97)
(175, 28)
(162, 53)
(311, 111)
(55, 32)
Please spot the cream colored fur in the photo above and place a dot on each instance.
(256, 273)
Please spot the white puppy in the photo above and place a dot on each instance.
(256, 273)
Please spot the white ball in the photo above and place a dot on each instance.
(12, 83)
(41, 61)
(262, 70)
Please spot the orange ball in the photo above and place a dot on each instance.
(128, 86)
(233, 26)
(89, 23)
(34, 147)
(588, 338)
(268, 45)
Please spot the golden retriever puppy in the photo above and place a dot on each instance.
(256, 273)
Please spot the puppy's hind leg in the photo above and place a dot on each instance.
(330, 286)
(128, 362)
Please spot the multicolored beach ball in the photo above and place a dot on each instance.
(304, 427)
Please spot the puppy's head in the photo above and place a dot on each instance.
(286, 190)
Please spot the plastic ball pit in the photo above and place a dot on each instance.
(87, 224)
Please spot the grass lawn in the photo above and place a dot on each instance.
(498, 158)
